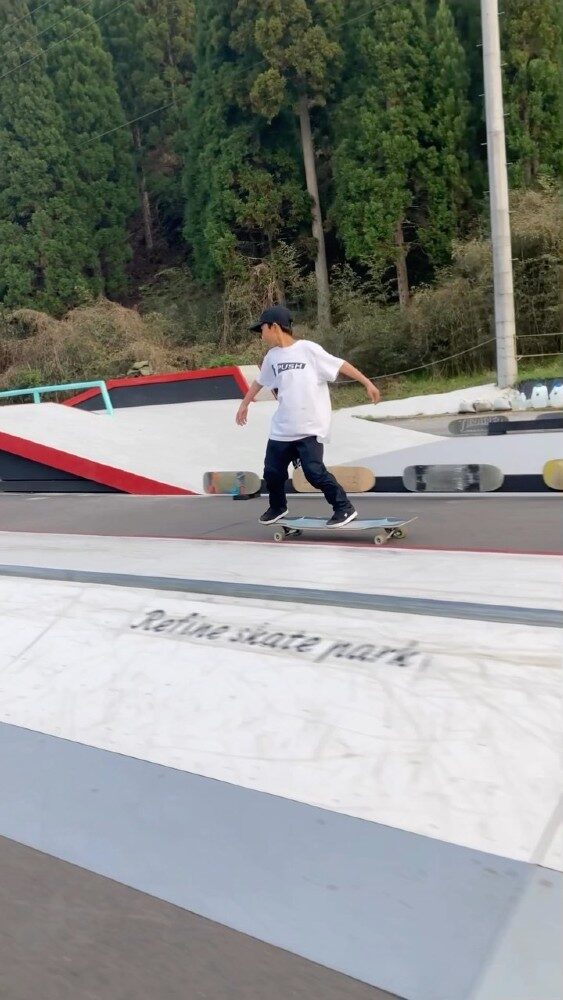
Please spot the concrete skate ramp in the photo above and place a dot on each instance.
(166, 449)
(371, 791)
(48, 450)
(206, 436)
(92, 447)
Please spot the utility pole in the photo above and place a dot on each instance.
(505, 327)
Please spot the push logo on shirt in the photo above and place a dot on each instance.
(287, 366)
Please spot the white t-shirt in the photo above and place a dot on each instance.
(300, 373)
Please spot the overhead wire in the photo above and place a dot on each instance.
(170, 104)
(244, 70)
(452, 357)
(55, 24)
(30, 13)
(60, 41)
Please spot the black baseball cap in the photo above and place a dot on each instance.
(275, 314)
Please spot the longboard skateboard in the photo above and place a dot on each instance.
(235, 484)
(473, 426)
(384, 528)
(452, 478)
(553, 474)
(354, 479)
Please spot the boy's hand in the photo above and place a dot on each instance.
(242, 414)
(373, 392)
(349, 371)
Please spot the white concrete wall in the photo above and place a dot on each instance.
(514, 454)
(432, 403)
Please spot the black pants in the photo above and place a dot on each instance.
(309, 451)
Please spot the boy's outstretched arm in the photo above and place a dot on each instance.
(242, 412)
(349, 371)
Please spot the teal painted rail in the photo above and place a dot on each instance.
(40, 390)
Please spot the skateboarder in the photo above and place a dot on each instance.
(299, 371)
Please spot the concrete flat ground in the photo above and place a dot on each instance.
(482, 522)
(66, 934)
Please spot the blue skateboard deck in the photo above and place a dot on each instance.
(239, 485)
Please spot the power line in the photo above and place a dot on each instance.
(528, 336)
(442, 361)
(451, 357)
(61, 40)
(54, 25)
(243, 69)
(552, 354)
(131, 122)
(163, 107)
(429, 364)
(24, 17)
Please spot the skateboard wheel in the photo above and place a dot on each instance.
(279, 536)
(379, 539)
(399, 533)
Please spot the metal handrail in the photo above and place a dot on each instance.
(39, 390)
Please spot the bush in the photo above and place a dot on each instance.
(94, 342)
(447, 322)
(180, 325)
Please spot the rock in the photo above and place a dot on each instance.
(465, 407)
(518, 400)
(140, 368)
(501, 403)
(481, 406)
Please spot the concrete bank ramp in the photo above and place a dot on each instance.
(165, 449)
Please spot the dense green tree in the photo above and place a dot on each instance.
(532, 52)
(467, 17)
(295, 46)
(151, 42)
(215, 144)
(242, 178)
(100, 156)
(380, 127)
(446, 171)
(46, 256)
(220, 127)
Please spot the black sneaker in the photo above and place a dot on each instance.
(341, 517)
(271, 515)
